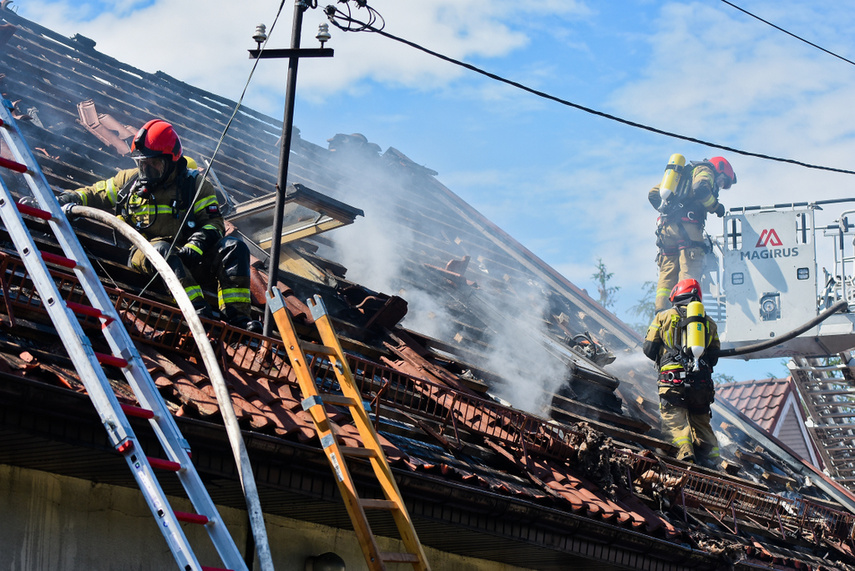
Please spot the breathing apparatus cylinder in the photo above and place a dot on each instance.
(696, 330)
(671, 178)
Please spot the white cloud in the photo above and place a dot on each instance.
(206, 44)
(569, 186)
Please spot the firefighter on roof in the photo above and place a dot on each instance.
(683, 342)
(688, 192)
(154, 198)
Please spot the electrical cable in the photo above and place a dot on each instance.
(362, 26)
(820, 48)
(352, 24)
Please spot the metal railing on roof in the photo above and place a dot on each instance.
(454, 412)
(792, 517)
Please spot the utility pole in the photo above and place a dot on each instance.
(293, 54)
(257, 540)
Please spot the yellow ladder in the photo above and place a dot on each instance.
(351, 400)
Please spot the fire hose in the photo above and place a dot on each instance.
(842, 304)
(209, 358)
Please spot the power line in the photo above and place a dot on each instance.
(786, 32)
(366, 27)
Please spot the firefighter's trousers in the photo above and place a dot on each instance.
(227, 263)
(685, 414)
(678, 258)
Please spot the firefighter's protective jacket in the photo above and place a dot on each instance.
(664, 340)
(158, 214)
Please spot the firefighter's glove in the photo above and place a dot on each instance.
(68, 198)
(190, 255)
(719, 211)
(64, 198)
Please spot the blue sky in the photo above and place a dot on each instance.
(568, 185)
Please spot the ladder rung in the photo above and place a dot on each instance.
(358, 452)
(33, 211)
(12, 165)
(378, 504)
(161, 464)
(137, 412)
(122, 353)
(105, 359)
(59, 260)
(191, 518)
(400, 557)
(89, 310)
(317, 349)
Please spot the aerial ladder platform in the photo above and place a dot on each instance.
(303, 356)
(123, 355)
(770, 278)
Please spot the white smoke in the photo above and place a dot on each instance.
(520, 353)
(373, 250)
(638, 376)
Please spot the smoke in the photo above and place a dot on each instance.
(521, 354)
(627, 366)
(376, 248)
(499, 324)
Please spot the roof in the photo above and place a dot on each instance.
(762, 400)
(774, 405)
(578, 474)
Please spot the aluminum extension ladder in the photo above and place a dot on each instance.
(350, 399)
(89, 363)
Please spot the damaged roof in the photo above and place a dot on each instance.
(515, 410)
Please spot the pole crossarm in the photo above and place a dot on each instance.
(289, 53)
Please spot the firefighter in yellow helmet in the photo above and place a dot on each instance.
(680, 227)
(685, 384)
(155, 198)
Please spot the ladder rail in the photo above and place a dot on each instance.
(379, 463)
(314, 403)
(83, 357)
(89, 367)
(114, 332)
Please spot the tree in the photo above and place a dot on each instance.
(645, 307)
(607, 293)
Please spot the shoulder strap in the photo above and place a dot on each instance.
(123, 195)
(686, 177)
(187, 187)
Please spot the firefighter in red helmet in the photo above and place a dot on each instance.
(155, 198)
(682, 215)
(685, 384)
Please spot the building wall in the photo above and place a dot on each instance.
(790, 433)
(68, 524)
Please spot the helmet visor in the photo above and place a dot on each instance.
(152, 169)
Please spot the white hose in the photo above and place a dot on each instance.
(256, 518)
